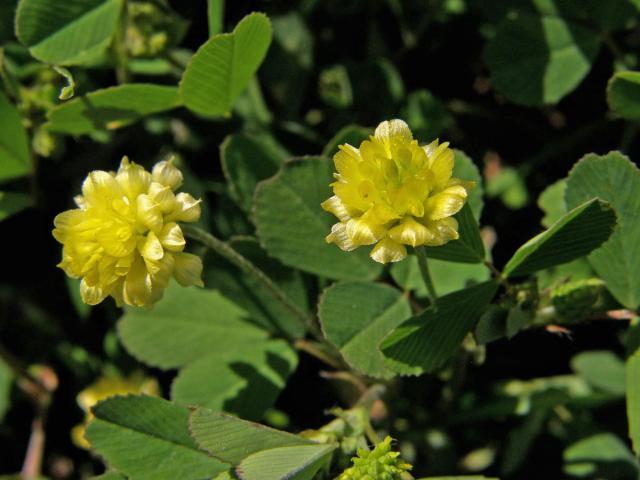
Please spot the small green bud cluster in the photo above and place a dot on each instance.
(378, 464)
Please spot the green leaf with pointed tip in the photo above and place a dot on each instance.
(575, 235)
(466, 249)
(536, 60)
(15, 153)
(356, 316)
(222, 68)
(232, 440)
(67, 33)
(244, 378)
(11, 202)
(425, 342)
(602, 455)
(292, 226)
(246, 160)
(615, 179)
(623, 95)
(184, 326)
(111, 108)
(147, 438)
(292, 463)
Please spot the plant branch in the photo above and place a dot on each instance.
(421, 253)
(225, 250)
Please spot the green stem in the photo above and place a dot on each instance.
(225, 250)
(120, 48)
(421, 253)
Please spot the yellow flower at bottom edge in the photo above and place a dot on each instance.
(105, 387)
(123, 240)
(393, 192)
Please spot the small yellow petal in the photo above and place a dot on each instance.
(149, 213)
(340, 237)
(91, 295)
(133, 179)
(137, 284)
(335, 206)
(188, 269)
(172, 238)
(444, 205)
(189, 208)
(165, 173)
(150, 247)
(410, 232)
(387, 250)
(445, 230)
(391, 129)
(363, 231)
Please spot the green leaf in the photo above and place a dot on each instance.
(425, 342)
(632, 374)
(232, 440)
(222, 68)
(352, 134)
(466, 249)
(551, 202)
(602, 455)
(69, 33)
(245, 379)
(536, 60)
(15, 153)
(6, 379)
(215, 15)
(623, 95)
(291, 463)
(447, 276)
(615, 179)
(183, 327)
(11, 203)
(249, 295)
(575, 235)
(246, 160)
(601, 369)
(109, 476)
(292, 226)
(111, 108)
(148, 438)
(356, 316)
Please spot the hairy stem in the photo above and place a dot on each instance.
(421, 253)
(225, 250)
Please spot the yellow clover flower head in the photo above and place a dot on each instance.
(381, 463)
(105, 387)
(123, 240)
(393, 192)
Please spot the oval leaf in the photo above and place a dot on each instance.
(15, 156)
(138, 434)
(67, 33)
(111, 108)
(222, 68)
(292, 227)
(577, 233)
(615, 179)
(290, 463)
(623, 95)
(356, 316)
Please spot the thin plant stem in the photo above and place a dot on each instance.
(421, 253)
(225, 250)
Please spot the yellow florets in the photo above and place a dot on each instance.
(381, 463)
(393, 192)
(123, 239)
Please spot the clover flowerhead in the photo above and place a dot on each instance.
(392, 192)
(124, 240)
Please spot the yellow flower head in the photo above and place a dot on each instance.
(123, 239)
(105, 387)
(392, 192)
